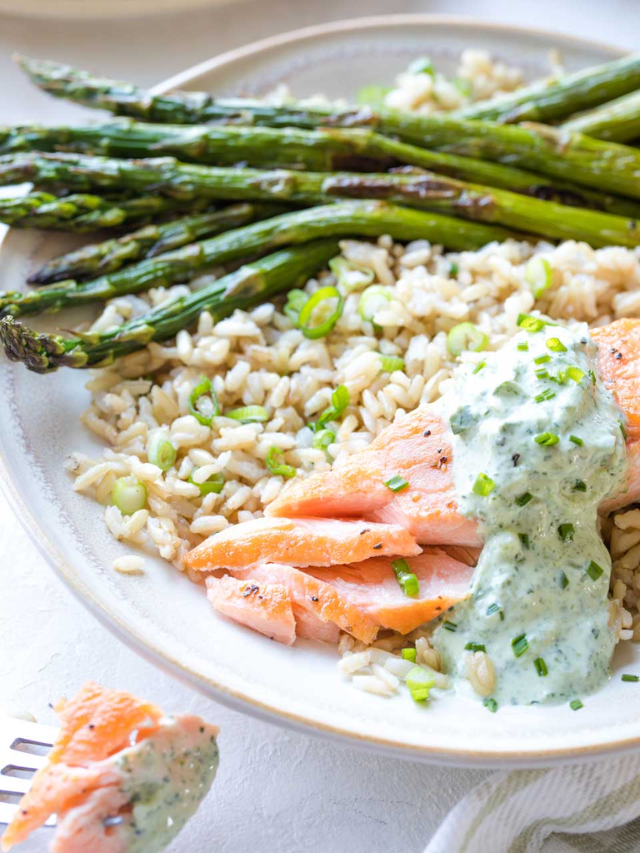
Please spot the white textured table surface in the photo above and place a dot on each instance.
(277, 791)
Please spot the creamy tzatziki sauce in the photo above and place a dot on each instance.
(539, 443)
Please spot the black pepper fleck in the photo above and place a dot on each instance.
(376, 547)
(515, 459)
(314, 598)
(427, 433)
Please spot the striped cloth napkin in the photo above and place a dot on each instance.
(584, 808)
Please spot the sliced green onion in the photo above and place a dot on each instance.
(556, 345)
(523, 347)
(420, 679)
(479, 367)
(541, 667)
(406, 578)
(524, 539)
(466, 336)
(530, 324)
(483, 485)
(214, 485)
(627, 677)
(463, 86)
(573, 373)
(295, 300)
(322, 439)
(161, 452)
(524, 499)
(538, 274)
(450, 626)
(576, 440)
(542, 359)
(495, 608)
(396, 483)
(350, 276)
(520, 645)
(372, 96)
(422, 65)
(594, 571)
(490, 705)
(475, 647)
(391, 363)
(280, 469)
(546, 439)
(454, 269)
(249, 415)
(328, 320)
(576, 705)
(129, 495)
(203, 402)
(374, 299)
(420, 695)
(566, 532)
(580, 486)
(409, 654)
(339, 401)
(542, 373)
(563, 580)
(547, 394)
(623, 430)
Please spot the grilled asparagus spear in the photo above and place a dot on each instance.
(616, 121)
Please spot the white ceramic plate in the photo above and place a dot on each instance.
(163, 615)
(73, 10)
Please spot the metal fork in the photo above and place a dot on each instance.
(17, 737)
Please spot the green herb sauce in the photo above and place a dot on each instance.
(539, 591)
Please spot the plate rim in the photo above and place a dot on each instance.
(238, 699)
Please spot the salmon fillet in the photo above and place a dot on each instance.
(619, 367)
(111, 750)
(265, 607)
(300, 542)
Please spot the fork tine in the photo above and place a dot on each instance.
(13, 734)
(14, 784)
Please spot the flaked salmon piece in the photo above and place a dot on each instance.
(372, 587)
(315, 599)
(418, 448)
(300, 542)
(265, 607)
(619, 367)
(105, 804)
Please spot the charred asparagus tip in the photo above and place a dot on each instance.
(39, 352)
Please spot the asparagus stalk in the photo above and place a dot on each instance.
(615, 121)
(81, 213)
(244, 288)
(98, 259)
(326, 149)
(555, 99)
(425, 191)
(363, 219)
(576, 158)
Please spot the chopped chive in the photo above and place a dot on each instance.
(563, 580)
(278, 468)
(391, 363)
(541, 667)
(592, 376)
(547, 394)
(580, 486)
(524, 499)
(396, 483)
(523, 347)
(524, 539)
(623, 430)
(546, 439)
(454, 269)
(542, 373)
(627, 677)
(450, 626)
(556, 345)
(409, 654)
(495, 608)
(576, 705)
(594, 571)
(483, 485)
(475, 647)
(542, 359)
(566, 532)
(573, 373)
(576, 440)
(490, 705)
(479, 366)
(420, 694)
(520, 645)
(530, 324)
(406, 578)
